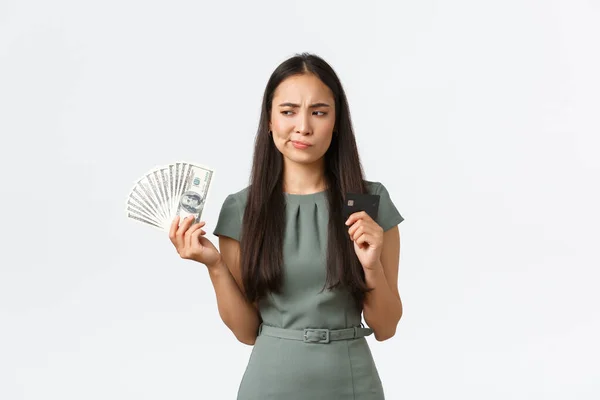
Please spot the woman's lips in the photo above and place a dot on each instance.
(300, 145)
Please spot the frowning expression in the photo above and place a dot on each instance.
(302, 118)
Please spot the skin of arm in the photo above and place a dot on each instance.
(239, 315)
(382, 308)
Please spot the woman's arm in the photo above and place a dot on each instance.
(382, 307)
(240, 316)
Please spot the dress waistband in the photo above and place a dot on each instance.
(315, 335)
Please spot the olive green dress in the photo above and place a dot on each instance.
(283, 369)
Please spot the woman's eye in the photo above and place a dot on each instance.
(288, 111)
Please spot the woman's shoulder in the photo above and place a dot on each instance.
(373, 187)
(240, 196)
(241, 193)
(388, 214)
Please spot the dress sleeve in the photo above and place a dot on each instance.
(230, 219)
(387, 215)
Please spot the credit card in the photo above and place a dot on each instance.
(354, 202)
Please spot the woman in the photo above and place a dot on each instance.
(292, 277)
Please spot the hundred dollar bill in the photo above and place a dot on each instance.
(183, 168)
(143, 219)
(144, 192)
(178, 189)
(193, 192)
(156, 186)
(136, 206)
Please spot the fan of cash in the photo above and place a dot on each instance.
(178, 189)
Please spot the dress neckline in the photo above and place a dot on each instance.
(308, 197)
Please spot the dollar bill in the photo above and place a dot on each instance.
(178, 189)
(194, 192)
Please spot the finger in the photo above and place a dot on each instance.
(183, 227)
(188, 234)
(188, 224)
(355, 217)
(353, 228)
(362, 240)
(361, 230)
(360, 224)
(173, 229)
(367, 230)
(365, 216)
(195, 226)
(351, 232)
(350, 220)
(195, 240)
(185, 224)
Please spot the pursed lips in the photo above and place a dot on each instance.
(302, 143)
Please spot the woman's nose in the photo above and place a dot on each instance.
(303, 123)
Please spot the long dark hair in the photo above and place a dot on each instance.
(264, 216)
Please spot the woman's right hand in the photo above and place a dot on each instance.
(190, 243)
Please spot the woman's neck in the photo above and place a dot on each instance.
(304, 178)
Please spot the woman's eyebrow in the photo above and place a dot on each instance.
(294, 105)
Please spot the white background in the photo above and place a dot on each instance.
(481, 118)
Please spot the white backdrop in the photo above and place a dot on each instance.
(481, 118)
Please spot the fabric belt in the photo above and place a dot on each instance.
(315, 335)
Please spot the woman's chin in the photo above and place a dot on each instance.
(302, 158)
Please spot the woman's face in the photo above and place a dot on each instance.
(303, 111)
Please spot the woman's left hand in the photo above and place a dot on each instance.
(367, 236)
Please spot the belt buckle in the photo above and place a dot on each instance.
(321, 337)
